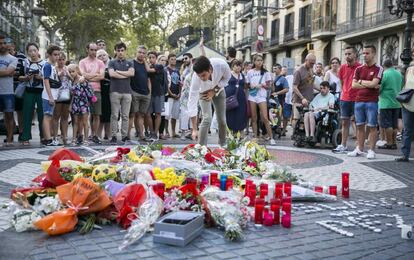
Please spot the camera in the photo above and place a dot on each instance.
(406, 232)
(33, 72)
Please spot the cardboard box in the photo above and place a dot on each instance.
(178, 228)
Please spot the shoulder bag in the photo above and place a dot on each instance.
(232, 102)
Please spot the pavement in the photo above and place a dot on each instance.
(378, 187)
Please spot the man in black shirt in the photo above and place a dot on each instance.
(141, 93)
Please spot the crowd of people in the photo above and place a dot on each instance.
(105, 97)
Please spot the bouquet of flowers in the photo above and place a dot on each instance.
(272, 171)
(184, 198)
(195, 152)
(228, 209)
(168, 177)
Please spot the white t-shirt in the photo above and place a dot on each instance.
(334, 79)
(288, 98)
(321, 101)
(254, 77)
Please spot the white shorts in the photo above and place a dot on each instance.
(184, 119)
(174, 106)
(260, 97)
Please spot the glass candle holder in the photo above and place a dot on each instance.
(333, 191)
(279, 190)
(264, 190)
(319, 189)
(286, 220)
(229, 184)
(287, 187)
(161, 189)
(286, 200)
(251, 193)
(258, 211)
(213, 177)
(223, 180)
(268, 219)
(275, 208)
(345, 185)
(287, 208)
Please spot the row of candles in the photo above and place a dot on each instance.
(332, 190)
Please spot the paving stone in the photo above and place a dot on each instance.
(214, 249)
(66, 252)
(144, 254)
(72, 257)
(245, 251)
(225, 255)
(96, 254)
(44, 256)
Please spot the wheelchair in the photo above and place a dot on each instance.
(299, 134)
(275, 116)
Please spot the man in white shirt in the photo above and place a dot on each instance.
(207, 85)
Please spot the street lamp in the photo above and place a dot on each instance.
(401, 7)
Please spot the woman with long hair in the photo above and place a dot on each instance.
(62, 108)
(105, 123)
(332, 74)
(33, 93)
(258, 82)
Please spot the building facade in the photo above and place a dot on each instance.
(294, 28)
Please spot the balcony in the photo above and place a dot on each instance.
(288, 37)
(304, 32)
(288, 3)
(245, 13)
(274, 41)
(260, 11)
(234, 24)
(274, 7)
(323, 27)
(244, 43)
(375, 22)
(227, 28)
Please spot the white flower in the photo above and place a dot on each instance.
(156, 154)
(197, 146)
(194, 153)
(46, 205)
(203, 150)
(22, 219)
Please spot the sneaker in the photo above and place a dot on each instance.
(356, 152)
(154, 137)
(125, 139)
(113, 141)
(55, 142)
(272, 142)
(371, 154)
(96, 140)
(340, 149)
(182, 137)
(381, 143)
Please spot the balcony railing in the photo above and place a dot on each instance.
(234, 24)
(243, 14)
(324, 24)
(288, 3)
(304, 32)
(289, 36)
(273, 7)
(227, 27)
(274, 41)
(368, 21)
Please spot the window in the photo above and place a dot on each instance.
(289, 23)
(304, 17)
(275, 29)
(356, 9)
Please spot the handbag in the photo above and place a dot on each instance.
(405, 95)
(19, 92)
(253, 91)
(63, 94)
(232, 102)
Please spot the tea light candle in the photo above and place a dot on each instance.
(275, 208)
(288, 188)
(319, 189)
(213, 177)
(332, 190)
(345, 185)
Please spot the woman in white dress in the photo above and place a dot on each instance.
(332, 74)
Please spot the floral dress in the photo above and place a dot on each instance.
(82, 96)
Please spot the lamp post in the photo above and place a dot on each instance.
(401, 7)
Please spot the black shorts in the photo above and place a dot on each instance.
(389, 118)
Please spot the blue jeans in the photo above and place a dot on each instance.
(408, 119)
(366, 113)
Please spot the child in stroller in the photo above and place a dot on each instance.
(275, 116)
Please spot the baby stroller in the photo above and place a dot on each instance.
(275, 116)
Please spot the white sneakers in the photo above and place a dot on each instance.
(272, 141)
(356, 152)
(340, 149)
(371, 154)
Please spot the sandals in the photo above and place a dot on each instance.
(25, 143)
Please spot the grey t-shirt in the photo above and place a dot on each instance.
(6, 83)
(304, 79)
(122, 86)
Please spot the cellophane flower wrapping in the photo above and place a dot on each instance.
(147, 213)
(22, 218)
(228, 210)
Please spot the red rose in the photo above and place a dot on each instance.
(210, 158)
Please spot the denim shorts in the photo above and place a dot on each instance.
(287, 110)
(7, 103)
(366, 113)
(47, 108)
(347, 109)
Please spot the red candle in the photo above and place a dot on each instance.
(275, 208)
(287, 208)
(288, 188)
(345, 185)
(264, 190)
(319, 189)
(268, 219)
(332, 190)
(252, 196)
(286, 200)
(258, 211)
(286, 220)
(229, 184)
(279, 190)
(213, 177)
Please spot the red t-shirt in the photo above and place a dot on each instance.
(346, 74)
(365, 72)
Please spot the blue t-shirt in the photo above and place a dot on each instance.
(175, 80)
(139, 82)
(280, 84)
